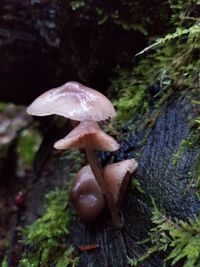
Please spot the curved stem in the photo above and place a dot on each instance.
(96, 168)
(98, 174)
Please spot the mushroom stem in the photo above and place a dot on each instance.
(98, 174)
(96, 167)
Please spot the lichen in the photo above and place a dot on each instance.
(178, 239)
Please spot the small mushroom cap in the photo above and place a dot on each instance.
(87, 196)
(90, 129)
(114, 175)
(74, 101)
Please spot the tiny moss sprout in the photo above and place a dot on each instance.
(183, 147)
(135, 185)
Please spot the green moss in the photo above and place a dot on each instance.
(183, 146)
(3, 106)
(179, 240)
(132, 95)
(46, 238)
(28, 145)
(75, 160)
(116, 17)
(196, 173)
(76, 4)
(67, 259)
(173, 65)
(181, 10)
(4, 262)
(3, 150)
(128, 15)
(197, 121)
(132, 86)
(191, 31)
(136, 185)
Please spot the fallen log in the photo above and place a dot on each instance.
(162, 179)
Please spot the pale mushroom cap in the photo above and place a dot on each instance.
(116, 172)
(87, 196)
(74, 101)
(90, 129)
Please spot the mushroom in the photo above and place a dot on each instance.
(87, 131)
(117, 177)
(89, 136)
(78, 102)
(74, 101)
(86, 195)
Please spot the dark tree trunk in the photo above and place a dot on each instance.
(45, 43)
(30, 33)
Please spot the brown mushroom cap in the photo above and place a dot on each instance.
(114, 175)
(87, 196)
(99, 139)
(74, 101)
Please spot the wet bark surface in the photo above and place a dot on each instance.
(167, 183)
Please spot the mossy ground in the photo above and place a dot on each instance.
(46, 239)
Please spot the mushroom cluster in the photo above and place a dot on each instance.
(92, 183)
